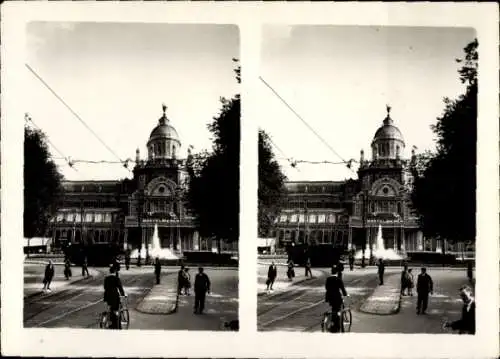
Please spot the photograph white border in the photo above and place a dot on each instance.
(248, 343)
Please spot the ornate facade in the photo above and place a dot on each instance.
(348, 213)
(124, 213)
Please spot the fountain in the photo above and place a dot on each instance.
(154, 249)
(380, 251)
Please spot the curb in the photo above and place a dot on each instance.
(394, 309)
(173, 309)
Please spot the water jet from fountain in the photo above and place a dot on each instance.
(380, 251)
(154, 249)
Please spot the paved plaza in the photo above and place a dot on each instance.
(76, 303)
(376, 309)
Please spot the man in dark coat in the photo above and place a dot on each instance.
(157, 270)
(335, 289)
(112, 290)
(49, 274)
(308, 267)
(381, 270)
(351, 260)
(85, 269)
(201, 288)
(467, 324)
(404, 279)
(127, 259)
(181, 280)
(424, 287)
(272, 273)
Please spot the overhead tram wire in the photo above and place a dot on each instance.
(73, 112)
(290, 160)
(28, 119)
(305, 122)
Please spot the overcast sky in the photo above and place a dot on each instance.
(116, 77)
(339, 79)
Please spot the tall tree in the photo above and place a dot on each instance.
(213, 194)
(42, 183)
(271, 186)
(444, 194)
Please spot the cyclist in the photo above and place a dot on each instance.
(112, 290)
(334, 291)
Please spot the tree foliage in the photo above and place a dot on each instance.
(271, 186)
(42, 183)
(213, 193)
(444, 194)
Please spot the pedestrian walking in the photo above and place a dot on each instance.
(469, 272)
(466, 324)
(139, 259)
(308, 267)
(157, 270)
(181, 280)
(67, 268)
(351, 260)
(381, 270)
(127, 259)
(201, 288)
(424, 287)
(291, 271)
(49, 274)
(404, 279)
(272, 273)
(85, 270)
(187, 281)
(411, 283)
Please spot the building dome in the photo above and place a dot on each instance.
(163, 141)
(388, 142)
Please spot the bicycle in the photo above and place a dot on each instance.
(123, 315)
(344, 316)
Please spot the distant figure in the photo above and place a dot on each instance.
(363, 261)
(272, 273)
(469, 271)
(404, 279)
(291, 271)
(424, 287)
(308, 267)
(201, 288)
(381, 270)
(351, 260)
(67, 268)
(85, 270)
(116, 265)
(187, 281)
(181, 280)
(139, 259)
(411, 282)
(157, 270)
(466, 324)
(127, 259)
(49, 274)
(112, 290)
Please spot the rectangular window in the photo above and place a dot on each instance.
(78, 217)
(312, 218)
(321, 218)
(89, 217)
(98, 217)
(70, 217)
(331, 218)
(60, 217)
(283, 218)
(107, 217)
(293, 218)
(301, 218)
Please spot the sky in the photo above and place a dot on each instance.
(116, 76)
(339, 79)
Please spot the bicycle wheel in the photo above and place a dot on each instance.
(104, 321)
(346, 320)
(325, 322)
(124, 318)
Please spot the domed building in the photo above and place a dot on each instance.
(348, 213)
(123, 214)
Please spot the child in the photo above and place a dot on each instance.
(410, 282)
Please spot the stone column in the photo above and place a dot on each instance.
(403, 238)
(349, 239)
(125, 237)
(196, 241)
(420, 240)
